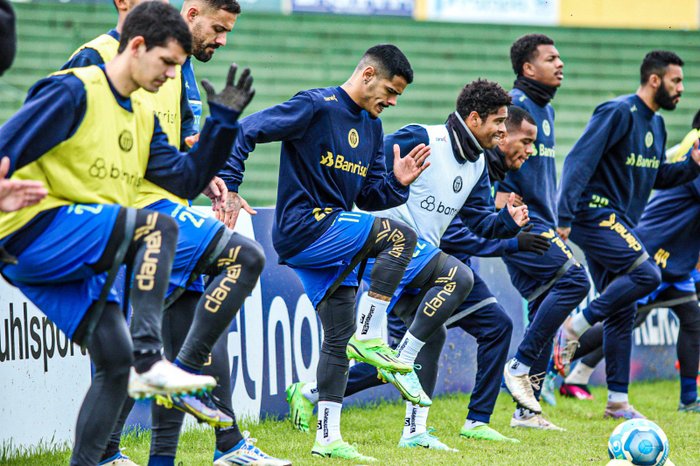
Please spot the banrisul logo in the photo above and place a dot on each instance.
(100, 170)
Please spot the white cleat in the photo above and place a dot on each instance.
(247, 453)
(520, 388)
(535, 422)
(165, 378)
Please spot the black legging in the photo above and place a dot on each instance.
(688, 347)
(392, 244)
(111, 353)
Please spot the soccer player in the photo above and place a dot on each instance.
(479, 314)
(331, 158)
(93, 141)
(606, 182)
(191, 331)
(670, 230)
(8, 38)
(553, 284)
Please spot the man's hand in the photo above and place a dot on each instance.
(216, 191)
(695, 153)
(228, 213)
(407, 169)
(564, 232)
(17, 194)
(502, 199)
(190, 141)
(235, 97)
(532, 242)
(520, 214)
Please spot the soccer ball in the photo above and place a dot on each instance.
(640, 442)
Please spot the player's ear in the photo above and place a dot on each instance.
(137, 45)
(368, 73)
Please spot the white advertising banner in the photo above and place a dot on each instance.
(542, 12)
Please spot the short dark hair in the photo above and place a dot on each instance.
(656, 62)
(232, 6)
(524, 49)
(696, 120)
(389, 61)
(158, 23)
(516, 115)
(483, 97)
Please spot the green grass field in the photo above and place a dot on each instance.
(377, 428)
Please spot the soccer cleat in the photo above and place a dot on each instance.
(547, 394)
(622, 411)
(693, 407)
(580, 392)
(200, 406)
(300, 408)
(377, 353)
(245, 452)
(340, 450)
(484, 432)
(520, 388)
(165, 378)
(535, 422)
(424, 440)
(565, 346)
(408, 385)
(120, 459)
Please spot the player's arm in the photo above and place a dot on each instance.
(608, 125)
(186, 174)
(479, 215)
(459, 238)
(674, 174)
(52, 112)
(287, 121)
(187, 127)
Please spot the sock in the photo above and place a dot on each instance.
(469, 424)
(328, 422)
(580, 375)
(310, 392)
(517, 368)
(523, 414)
(416, 420)
(371, 318)
(143, 361)
(409, 348)
(161, 460)
(689, 390)
(185, 367)
(579, 324)
(617, 397)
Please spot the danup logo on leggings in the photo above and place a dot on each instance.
(145, 276)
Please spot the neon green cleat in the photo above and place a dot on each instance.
(377, 353)
(408, 385)
(340, 450)
(485, 432)
(425, 440)
(300, 409)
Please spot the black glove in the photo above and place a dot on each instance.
(235, 97)
(532, 242)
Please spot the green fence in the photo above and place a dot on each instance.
(290, 53)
